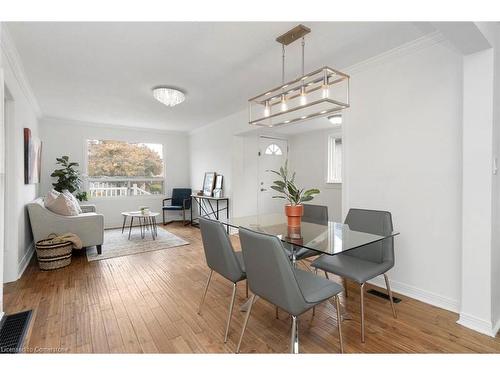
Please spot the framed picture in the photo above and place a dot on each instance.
(218, 181)
(32, 158)
(208, 184)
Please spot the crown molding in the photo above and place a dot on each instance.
(405, 49)
(102, 125)
(12, 58)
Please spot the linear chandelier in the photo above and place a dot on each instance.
(317, 94)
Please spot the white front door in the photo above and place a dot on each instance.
(273, 153)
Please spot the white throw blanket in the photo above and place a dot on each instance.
(77, 242)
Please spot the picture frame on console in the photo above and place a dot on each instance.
(208, 184)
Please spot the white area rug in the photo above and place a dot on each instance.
(117, 244)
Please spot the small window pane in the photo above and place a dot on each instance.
(334, 172)
(273, 149)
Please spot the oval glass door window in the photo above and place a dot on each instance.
(273, 149)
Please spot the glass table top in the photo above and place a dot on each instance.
(328, 237)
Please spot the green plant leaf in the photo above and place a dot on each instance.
(311, 191)
(278, 189)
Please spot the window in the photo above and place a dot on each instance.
(273, 149)
(334, 172)
(117, 168)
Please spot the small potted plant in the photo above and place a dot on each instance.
(290, 192)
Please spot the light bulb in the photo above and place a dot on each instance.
(303, 98)
(267, 110)
(326, 91)
(284, 106)
(325, 87)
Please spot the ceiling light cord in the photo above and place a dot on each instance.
(303, 46)
(283, 64)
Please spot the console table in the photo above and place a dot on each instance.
(209, 207)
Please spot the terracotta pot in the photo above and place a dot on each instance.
(294, 214)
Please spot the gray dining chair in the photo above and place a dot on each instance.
(365, 262)
(221, 258)
(272, 277)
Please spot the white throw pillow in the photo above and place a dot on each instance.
(51, 197)
(74, 200)
(62, 205)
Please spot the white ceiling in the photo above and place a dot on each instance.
(104, 72)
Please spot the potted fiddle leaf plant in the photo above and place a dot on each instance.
(68, 178)
(295, 196)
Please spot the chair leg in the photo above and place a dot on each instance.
(230, 312)
(339, 323)
(245, 323)
(294, 337)
(205, 292)
(163, 217)
(246, 287)
(389, 291)
(184, 216)
(362, 297)
(277, 313)
(326, 275)
(344, 282)
(99, 249)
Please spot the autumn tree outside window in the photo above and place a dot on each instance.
(117, 168)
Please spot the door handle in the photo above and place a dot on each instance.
(262, 189)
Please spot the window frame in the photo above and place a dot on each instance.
(331, 141)
(86, 177)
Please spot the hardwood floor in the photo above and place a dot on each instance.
(147, 303)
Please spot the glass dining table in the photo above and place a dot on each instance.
(329, 238)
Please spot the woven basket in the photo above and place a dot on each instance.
(52, 253)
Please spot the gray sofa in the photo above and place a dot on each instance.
(89, 225)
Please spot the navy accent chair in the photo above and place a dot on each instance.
(180, 201)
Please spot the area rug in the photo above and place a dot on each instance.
(117, 244)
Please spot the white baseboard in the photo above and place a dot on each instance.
(26, 260)
(419, 294)
(496, 328)
(1, 315)
(476, 324)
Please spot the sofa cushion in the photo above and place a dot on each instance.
(75, 202)
(51, 197)
(62, 205)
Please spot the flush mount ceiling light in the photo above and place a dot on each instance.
(168, 96)
(336, 119)
(316, 94)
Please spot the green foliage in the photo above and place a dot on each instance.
(289, 191)
(119, 159)
(68, 178)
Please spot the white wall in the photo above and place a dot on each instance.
(402, 147)
(65, 137)
(491, 32)
(22, 114)
(475, 309)
(308, 157)
(221, 147)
